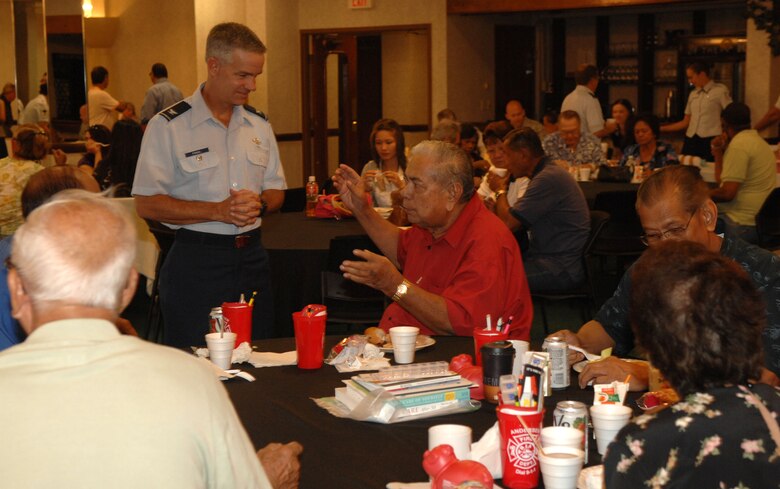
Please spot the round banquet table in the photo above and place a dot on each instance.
(298, 251)
(344, 453)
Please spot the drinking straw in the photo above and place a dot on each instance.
(488, 322)
(499, 323)
(533, 438)
(252, 299)
(241, 300)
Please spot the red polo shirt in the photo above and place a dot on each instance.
(476, 266)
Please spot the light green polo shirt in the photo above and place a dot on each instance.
(86, 407)
(750, 162)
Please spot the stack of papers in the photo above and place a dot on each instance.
(416, 395)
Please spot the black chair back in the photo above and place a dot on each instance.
(768, 222)
(294, 200)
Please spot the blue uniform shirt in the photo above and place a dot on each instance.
(189, 155)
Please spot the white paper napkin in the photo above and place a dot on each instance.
(228, 374)
(487, 451)
(269, 359)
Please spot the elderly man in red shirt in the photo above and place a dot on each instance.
(459, 261)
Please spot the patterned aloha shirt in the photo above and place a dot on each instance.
(714, 439)
(664, 155)
(762, 267)
(14, 174)
(588, 150)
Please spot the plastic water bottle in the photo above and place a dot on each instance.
(631, 163)
(312, 189)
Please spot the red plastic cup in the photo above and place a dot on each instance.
(309, 339)
(238, 319)
(519, 457)
(482, 336)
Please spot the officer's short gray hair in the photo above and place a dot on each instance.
(453, 165)
(224, 38)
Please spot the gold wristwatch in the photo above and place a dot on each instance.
(499, 193)
(401, 290)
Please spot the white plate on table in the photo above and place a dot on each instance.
(384, 211)
(423, 341)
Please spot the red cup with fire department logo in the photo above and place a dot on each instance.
(519, 456)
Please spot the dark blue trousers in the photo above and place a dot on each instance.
(204, 270)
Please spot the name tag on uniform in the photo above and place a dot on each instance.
(196, 152)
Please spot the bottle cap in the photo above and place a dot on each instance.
(312, 179)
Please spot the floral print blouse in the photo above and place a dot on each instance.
(664, 155)
(715, 439)
(14, 174)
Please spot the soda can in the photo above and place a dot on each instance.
(573, 414)
(216, 320)
(559, 362)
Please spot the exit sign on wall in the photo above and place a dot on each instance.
(360, 3)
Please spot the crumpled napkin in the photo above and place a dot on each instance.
(228, 374)
(371, 358)
(487, 451)
(244, 353)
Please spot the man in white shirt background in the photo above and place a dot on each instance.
(103, 108)
(702, 113)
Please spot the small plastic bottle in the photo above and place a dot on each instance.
(312, 189)
(631, 162)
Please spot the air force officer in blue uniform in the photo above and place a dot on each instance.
(209, 168)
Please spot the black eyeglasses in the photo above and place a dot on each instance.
(673, 233)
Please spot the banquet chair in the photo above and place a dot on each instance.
(621, 236)
(349, 303)
(294, 200)
(768, 222)
(585, 293)
(164, 236)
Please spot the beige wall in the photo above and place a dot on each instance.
(282, 79)
(471, 67)
(149, 31)
(405, 81)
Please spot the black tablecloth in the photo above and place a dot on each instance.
(298, 251)
(350, 454)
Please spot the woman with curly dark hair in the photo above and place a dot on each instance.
(699, 317)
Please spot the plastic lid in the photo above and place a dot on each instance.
(312, 179)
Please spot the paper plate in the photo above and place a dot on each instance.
(423, 341)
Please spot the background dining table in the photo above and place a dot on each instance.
(298, 249)
(345, 453)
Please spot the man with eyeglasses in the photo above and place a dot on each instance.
(674, 203)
